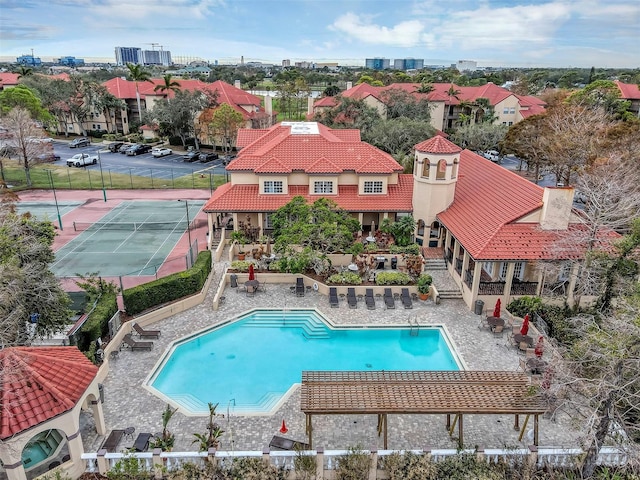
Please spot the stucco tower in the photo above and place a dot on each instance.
(435, 173)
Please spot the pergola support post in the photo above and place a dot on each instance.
(460, 432)
(535, 429)
(524, 426)
(382, 427)
(516, 425)
(309, 430)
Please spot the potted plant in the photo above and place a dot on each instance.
(166, 441)
(424, 283)
(240, 238)
(212, 438)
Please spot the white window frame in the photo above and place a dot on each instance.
(512, 110)
(518, 271)
(488, 267)
(273, 186)
(505, 111)
(373, 187)
(322, 187)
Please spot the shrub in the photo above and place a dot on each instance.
(353, 466)
(345, 278)
(424, 282)
(523, 305)
(409, 466)
(555, 317)
(97, 324)
(240, 265)
(393, 278)
(413, 249)
(167, 289)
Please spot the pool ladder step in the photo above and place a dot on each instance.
(266, 403)
(190, 402)
(310, 329)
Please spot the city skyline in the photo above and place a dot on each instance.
(499, 33)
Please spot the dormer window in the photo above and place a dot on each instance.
(322, 186)
(273, 186)
(373, 186)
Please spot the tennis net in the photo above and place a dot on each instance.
(130, 226)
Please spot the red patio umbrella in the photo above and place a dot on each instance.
(496, 310)
(525, 325)
(539, 350)
(252, 275)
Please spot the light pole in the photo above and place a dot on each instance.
(186, 204)
(104, 191)
(55, 199)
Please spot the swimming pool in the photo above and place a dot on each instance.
(252, 362)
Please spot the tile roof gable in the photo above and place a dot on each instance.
(438, 144)
(272, 165)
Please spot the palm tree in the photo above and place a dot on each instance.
(425, 88)
(138, 74)
(24, 71)
(167, 85)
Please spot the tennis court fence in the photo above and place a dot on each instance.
(139, 226)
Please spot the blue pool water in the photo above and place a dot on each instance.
(40, 447)
(255, 360)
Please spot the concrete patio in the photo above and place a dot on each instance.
(128, 404)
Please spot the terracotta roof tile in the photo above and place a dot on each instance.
(323, 165)
(273, 165)
(245, 198)
(438, 144)
(39, 383)
(628, 91)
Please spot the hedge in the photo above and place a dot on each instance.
(97, 324)
(167, 289)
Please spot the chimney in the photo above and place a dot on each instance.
(557, 203)
(268, 105)
(236, 83)
(349, 85)
(310, 106)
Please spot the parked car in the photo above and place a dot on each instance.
(161, 152)
(227, 159)
(191, 156)
(492, 155)
(138, 148)
(207, 157)
(79, 142)
(124, 147)
(48, 157)
(115, 146)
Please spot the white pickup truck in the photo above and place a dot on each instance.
(82, 159)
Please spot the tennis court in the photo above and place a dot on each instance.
(48, 211)
(134, 238)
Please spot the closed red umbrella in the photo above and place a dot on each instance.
(496, 310)
(252, 275)
(525, 325)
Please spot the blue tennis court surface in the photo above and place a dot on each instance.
(134, 238)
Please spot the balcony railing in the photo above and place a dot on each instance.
(524, 288)
(491, 288)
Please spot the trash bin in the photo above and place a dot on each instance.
(233, 280)
(479, 307)
(394, 263)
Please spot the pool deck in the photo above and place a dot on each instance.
(129, 404)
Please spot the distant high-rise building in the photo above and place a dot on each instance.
(408, 64)
(467, 65)
(156, 57)
(29, 60)
(377, 63)
(126, 55)
(286, 63)
(71, 61)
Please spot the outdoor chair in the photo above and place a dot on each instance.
(406, 298)
(389, 302)
(262, 287)
(251, 291)
(333, 297)
(112, 441)
(142, 442)
(351, 298)
(498, 330)
(369, 300)
(282, 443)
(135, 345)
(142, 333)
(483, 323)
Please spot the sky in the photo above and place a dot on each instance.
(516, 33)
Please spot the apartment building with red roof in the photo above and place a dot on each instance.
(448, 101)
(44, 389)
(493, 228)
(8, 80)
(630, 92)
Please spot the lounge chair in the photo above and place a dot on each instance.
(142, 442)
(406, 298)
(351, 298)
(389, 302)
(333, 297)
(299, 287)
(142, 333)
(112, 441)
(369, 300)
(281, 443)
(135, 345)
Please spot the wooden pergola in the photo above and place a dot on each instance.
(420, 392)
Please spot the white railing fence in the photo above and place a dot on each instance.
(160, 462)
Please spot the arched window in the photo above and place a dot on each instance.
(454, 171)
(442, 170)
(425, 168)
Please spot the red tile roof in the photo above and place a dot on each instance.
(39, 383)
(628, 91)
(342, 150)
(488, 202)
(245, 198)
(326, 102)
(8, 79)
(437, 144)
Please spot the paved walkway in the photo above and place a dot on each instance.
(127, 403)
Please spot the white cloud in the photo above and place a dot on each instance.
(404, 34)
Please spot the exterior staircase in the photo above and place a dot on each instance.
(431, 264)
(447, 288)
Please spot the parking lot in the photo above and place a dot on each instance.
(145, 165)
